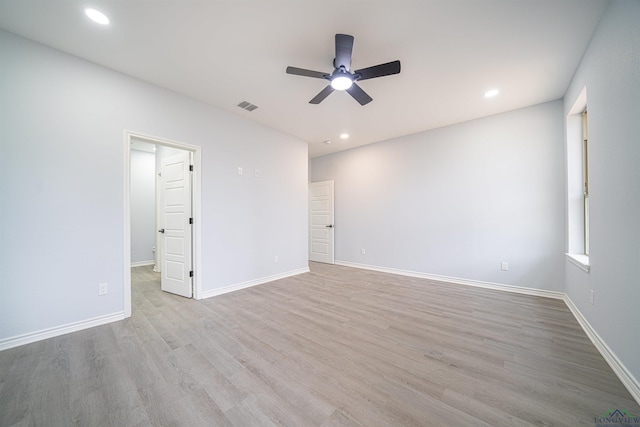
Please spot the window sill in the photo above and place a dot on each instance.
(582, 261)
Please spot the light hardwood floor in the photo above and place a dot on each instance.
(337, 346)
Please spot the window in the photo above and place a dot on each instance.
(585, 182)
(578, 183)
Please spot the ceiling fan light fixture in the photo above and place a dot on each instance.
(342, 78)
(341, 83)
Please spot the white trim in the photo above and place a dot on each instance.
(44, 334)
(126, 225)
(576, 228)
(142, 263)
(255, 282)
(581, 261)
(459, 281)
(628, 380)
(157, 249)
(196, 212)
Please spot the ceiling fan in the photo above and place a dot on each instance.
(342, 78)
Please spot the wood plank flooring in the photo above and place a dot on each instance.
(336, 346)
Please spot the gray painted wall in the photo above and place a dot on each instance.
(610, 70)
(454, 201)
(143, 206)
(457, 201)
(62, 187)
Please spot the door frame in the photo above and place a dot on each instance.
(196, 249)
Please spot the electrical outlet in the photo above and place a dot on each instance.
(504, 266)
(591, 292)
(240, 170)
(257, 174)
(103, 288)
(363, 252)
(276, 259)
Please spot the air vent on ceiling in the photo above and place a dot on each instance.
(247, 106)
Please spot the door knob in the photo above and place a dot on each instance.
(329, 226)
(161, 230)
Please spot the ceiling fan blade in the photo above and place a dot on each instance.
(322, 95)
(379, 70)
(359, 94)
(344, 47)
(306, 73)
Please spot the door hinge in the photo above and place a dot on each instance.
(190, 168)
(190, 220)
(191, 273)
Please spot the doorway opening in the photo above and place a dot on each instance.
(171, 237)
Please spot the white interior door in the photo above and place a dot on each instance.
(176, 224)
(321, 227)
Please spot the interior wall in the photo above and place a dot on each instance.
(62, 178)
(457, 201)
(143, 207)
(610, 70)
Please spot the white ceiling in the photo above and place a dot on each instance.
(224, 52)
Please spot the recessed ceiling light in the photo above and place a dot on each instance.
(97, 16)
(344, 136)
(327, 142)
(491, 93)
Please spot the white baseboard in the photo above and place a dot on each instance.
(459, 281)
(142, 263)
(627, 378)
(250, 283)
(31, 337)
(630, 382)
